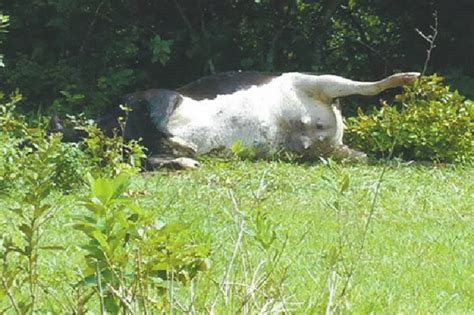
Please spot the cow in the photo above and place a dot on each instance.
(294, 112)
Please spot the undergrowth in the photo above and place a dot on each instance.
(427, 122)
(130, 260)
(81, 231)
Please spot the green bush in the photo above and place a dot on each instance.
(28, 150)
(126, 246)
(427, 121)
(132, 261)
(129, 247)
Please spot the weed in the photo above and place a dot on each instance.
(133, 261)
(429, 121)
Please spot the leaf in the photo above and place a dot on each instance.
(52, 247)
(40, 210)
(102, 189)
(94, 251)
(87, 219)
(44, 189)
(89, 280)
(161, 49)
(18, 211)
(173, 228)
(88, 229)
(26, 230)
(102, 239)
(120, 184)
(344, 183)
(237, 147)
(95, 205)
(352, 4)
(111, 305)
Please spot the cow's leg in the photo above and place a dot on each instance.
(182, 147)
(170, 162)
(327, 87)
(344, 153)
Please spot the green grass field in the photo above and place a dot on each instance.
(302, 239)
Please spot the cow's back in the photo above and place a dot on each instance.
(211, 86)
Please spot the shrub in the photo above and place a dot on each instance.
(134, 261)
(427, 121)
(29, 150)
(112, 155)
(131, 257)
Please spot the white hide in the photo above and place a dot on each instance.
(293, 111)
(257, 117)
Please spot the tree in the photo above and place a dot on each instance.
(75, 55)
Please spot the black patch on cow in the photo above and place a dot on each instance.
(161, 105)
(108, 120)
(224, 83)
(147, 120)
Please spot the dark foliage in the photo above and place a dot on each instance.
(427, 122)
(71, 55)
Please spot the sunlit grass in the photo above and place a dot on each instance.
(288, 238)
(418, 255)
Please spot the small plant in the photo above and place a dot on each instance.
(28, 149)
(27, 146)
(427, 121)
(242, 151)
(112, 155)
(20, 256)
(161, 49)
(134, 262)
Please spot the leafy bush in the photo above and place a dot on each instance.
(22, 246)
(427, 121)
(131, 257)
(133, 261)
(112, 155)
(29, 150)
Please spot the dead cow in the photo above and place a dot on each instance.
(293, 112)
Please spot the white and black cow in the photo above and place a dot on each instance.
(293, 112)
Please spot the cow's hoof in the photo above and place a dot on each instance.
(344, 153)
(405, 78)
(182, 147)
(186, 163)
(170, 162)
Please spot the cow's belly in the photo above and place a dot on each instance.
(272, 118)
(218, 124)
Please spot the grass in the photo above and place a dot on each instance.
(290, 238)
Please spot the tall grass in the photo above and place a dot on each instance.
(283, 238)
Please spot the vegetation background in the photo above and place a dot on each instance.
(82, 231)
(75, 55)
